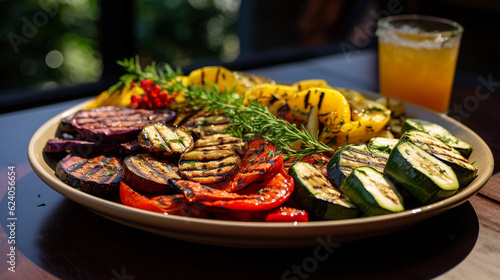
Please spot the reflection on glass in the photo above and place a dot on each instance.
(183, 32)
(49, 43)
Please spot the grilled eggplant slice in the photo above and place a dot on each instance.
(116, 124)
(147, 173)
(165, 140)
(221, 142)
(211, 168)
(65, 126)
(207, 125)
(84, 148)
(98, 176)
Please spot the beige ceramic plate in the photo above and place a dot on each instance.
(259, 234)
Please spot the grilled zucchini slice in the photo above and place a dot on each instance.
(371, 192)
(207, 125)
(465, 171)
(420, 173)
(441, 133)
(349, 157)
(315, 194)
(383, 144)
(211, 168)
(165, 140)
(221, 142)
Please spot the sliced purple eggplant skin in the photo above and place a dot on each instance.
(116, 124)
(98, 176)
(147, 173)
(65, 126)
(86, 148)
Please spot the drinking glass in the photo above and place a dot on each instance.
(417, 59)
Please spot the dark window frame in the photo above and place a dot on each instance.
(116, 41)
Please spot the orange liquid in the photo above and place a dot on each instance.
(423, 76)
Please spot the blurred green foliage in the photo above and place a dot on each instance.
(48, 43)
(184, 31)
(32, 30)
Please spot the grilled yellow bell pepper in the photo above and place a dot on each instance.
(312, 83)
(347, 117)
(333, 108)
(351, 95)
(249, 80)
(222, 77)
(368, 119)
(265, 93)
(119, 98)
(360, 120)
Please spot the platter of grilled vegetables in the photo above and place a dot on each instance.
(221, 149)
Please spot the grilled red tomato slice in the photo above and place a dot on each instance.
(175, 204)
(287, 214)
(260, 163)
(319, 161)
(255, 148)
(262, 196)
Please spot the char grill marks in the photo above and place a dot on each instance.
(259, 163)
(146, 173)
(115, 118)
(221, 142)
(100, 175)
(82, 147)
(352, 158)
(165, 140)
(116, 123)
(208, 125)
(212, 168)
(437, 148)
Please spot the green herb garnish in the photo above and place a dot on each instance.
(362, 172)
(179, 140)
(160, 75)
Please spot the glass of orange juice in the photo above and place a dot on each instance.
(417, 59)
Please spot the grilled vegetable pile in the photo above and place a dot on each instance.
(228, 145)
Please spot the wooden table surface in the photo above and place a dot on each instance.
(59, 239)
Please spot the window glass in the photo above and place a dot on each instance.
(48, 43)
(194, 32)
(184, 32)
(51, 43)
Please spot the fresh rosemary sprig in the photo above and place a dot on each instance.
(255, 120)
(160, 75)
(212, 99)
